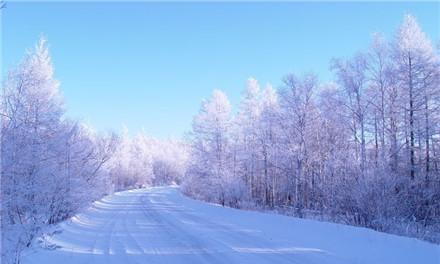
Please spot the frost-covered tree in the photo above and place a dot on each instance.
(352, 76)
(379, 70)
(142, 161)
(31, 130)
(269, 146)
(169, 161)
(416, 67)
(50, 166)
(132, 164)
(246, 127)
(298, 113)
(209, 169)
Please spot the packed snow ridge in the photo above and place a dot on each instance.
(159, 225)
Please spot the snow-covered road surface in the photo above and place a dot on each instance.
(159, 225)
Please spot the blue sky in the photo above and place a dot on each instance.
(149, 65)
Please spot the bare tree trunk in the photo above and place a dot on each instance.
(382, 113)
(411, 120)
(266, 192)
(434, 157)
(393, 129)
(363, 148)
(376, 143)
(427, 157)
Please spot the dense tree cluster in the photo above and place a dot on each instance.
(364, 149)
(52, 166)
(142, 161)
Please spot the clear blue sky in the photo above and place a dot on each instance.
(148, 65)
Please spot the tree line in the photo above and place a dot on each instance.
(362, 150)
(53, 166)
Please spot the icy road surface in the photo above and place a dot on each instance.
(159, 225)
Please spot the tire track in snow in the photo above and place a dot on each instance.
(156, 226)
(230, 231)
(258, 247)
(189, 241)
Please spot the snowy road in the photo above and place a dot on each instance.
(159, 225)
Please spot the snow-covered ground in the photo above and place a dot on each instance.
(159, 225)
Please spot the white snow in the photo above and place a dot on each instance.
(159, 225)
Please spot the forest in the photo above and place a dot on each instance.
(362, 150)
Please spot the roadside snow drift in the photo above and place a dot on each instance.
(159, 225)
